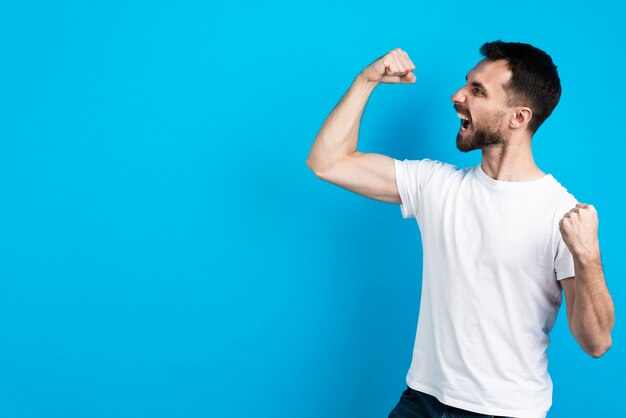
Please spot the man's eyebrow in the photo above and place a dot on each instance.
(479, 85)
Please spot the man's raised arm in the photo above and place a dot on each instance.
(334, 157)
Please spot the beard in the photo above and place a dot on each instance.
(479, 139)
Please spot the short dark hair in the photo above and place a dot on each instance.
(534, 82)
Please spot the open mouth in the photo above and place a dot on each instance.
(466, 121)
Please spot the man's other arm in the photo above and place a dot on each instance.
(590, 308)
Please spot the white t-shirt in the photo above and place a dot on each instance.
(493, 254)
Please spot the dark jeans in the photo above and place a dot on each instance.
(415, 404)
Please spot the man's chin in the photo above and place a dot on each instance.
(463, 145)
(479, 139)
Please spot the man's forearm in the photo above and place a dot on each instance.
(593, 315)
(339, 134)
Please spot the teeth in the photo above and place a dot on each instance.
(462, 116)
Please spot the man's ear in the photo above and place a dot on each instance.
(521, 117)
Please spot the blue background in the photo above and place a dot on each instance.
(166, 252)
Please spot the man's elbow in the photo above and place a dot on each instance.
(319, 167)
(313, 164)
(599, 350)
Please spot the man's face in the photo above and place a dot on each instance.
(481, 104)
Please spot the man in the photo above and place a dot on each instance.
(500, 239)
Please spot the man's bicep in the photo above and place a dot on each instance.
(368, 174)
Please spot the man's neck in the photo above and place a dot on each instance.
(512, 161)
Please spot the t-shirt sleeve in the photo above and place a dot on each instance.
(412, 177)
(564, 260)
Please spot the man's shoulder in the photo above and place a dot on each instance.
(559, 200)
(562, 196)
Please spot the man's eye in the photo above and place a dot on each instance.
(475, 90)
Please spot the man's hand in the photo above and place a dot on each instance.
(393, 67)
(579, 229)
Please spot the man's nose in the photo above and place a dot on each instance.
(459, 96)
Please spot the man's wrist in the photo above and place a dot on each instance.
(365, 80)
(588, 257)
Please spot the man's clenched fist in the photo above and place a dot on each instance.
(393, 67)
(579, 229)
